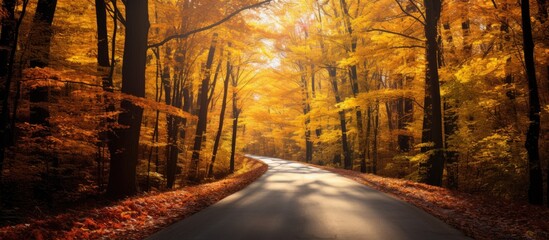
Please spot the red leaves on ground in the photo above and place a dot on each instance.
(137, 217)
(477, 216)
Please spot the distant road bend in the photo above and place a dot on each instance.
(296, 201)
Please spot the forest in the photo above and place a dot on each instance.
(106, 100)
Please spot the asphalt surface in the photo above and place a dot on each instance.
(296, 201)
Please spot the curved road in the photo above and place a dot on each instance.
(296, 201)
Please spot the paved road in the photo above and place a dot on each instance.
(295, 201)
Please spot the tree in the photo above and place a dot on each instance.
(353, 77)
(347, 161)
(125, 141)
(102, 36)
(221, 115)
(432, 118)
(535, 188)
(202, 112)
(8, 43)
(41, 33)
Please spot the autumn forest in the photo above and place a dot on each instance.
(113, 103)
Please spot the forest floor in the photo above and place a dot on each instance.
(137, 217)
(479, 217)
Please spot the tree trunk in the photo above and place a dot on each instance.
(221, 116)
(125, 141)
(405, 113)
(432, 169)
(202, 114)
(173, 98)
(41, 33)
(347, 162)
(363, 163)
(542, 17)
(105, 71)
(353, 76)
(450, 114)
(7, 35)
(306, 109)
(8, 42)
(102, 36)
(535, 188)
(236, 113)
(374, 144)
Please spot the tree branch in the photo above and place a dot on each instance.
(410, 46)
(418, 9)
(409, 14)
(114, 11)
(395, 33)
(185, 35)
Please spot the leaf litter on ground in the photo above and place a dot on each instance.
(477, 216)
(136, 217)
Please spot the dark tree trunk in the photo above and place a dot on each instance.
(7, 48)
(347, 162)
(173, 98)
(353, 76)
(202, 113)
(306, 109)
(450, 114)
(452, 156)
(318, 131)
(7, 36)
(542, 17)
(41, 33)
(103, 64)
(375, 142)
(221, 116)
(125, 141)
(405, 113)
(432, 169)
(102, 36)
(214, 82)
(535, 188)
(363, 163)
(236, 113)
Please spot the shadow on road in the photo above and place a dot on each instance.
(296, 201)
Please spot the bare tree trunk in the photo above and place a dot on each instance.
(203, 113)
(41, 34)
(306, 109)
(7, 35)
(102, 36)
(353, 76)
(405, 113)
(347, 162)
(432, 169)
(103, 62)
(363, 163)
(450, 113)
(8, 47)
(535, 188)
(236, 113)
(375, 142)
(542, 17)
(125, 141)
(221, 116)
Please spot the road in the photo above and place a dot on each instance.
(296, 201)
